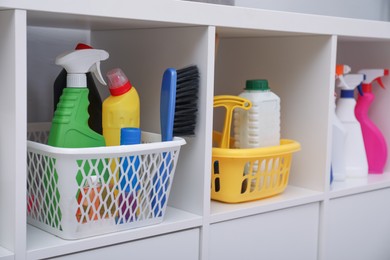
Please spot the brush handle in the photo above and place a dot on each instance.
(167, 104)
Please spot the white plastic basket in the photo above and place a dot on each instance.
(76, 193)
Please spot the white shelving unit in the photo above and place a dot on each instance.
(297, 53)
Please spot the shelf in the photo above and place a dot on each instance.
(74, 14)
(41, 244)
(5, 254)
(292, 196)
(296, 52)
(354, 186)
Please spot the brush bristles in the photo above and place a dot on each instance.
(186, 101)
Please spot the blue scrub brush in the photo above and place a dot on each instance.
(178, 109)
(167, 114)
(186, 109)
(179, 102)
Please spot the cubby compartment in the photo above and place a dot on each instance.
(361, 54)
(271, 235)
(143, 54)
(178, 245)
(297, 68)
(359, 226)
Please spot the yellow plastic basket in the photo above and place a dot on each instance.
(240, 175)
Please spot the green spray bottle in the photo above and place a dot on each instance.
(70, 122)
(70, 127)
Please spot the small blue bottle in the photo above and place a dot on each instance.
(129, 183)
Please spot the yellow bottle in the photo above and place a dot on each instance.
(121, 109)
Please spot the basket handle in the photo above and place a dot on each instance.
(230, 103)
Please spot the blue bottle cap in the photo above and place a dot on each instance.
(130, 135)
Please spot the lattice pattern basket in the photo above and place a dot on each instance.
(240, 175)
(76, 193)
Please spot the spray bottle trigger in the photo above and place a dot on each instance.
(95, 69)
(380, 82)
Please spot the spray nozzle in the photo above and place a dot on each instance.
(373, 75)
(349, 82)
(342, 69)
(78, 62)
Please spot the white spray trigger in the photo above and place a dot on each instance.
(342, 81)
(95, 69)
(350, 81)
(78, 62)
(372, 74)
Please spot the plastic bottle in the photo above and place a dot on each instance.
(129, 181)
(89, 201)
(374, 141)
(355, 159)
(260, 125)
(70, 122)
(339, 136)
(121, 109)
(95, 106)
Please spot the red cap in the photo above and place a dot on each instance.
(118, 82)
(83, 46)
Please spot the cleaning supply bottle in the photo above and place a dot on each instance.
(260, 125)
(95, 106)
(374, 141)
(339, 135)
(70, 122)
(339, 138)
(121, 109)
(355, 160)
(128, 177)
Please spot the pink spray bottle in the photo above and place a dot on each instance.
(374, 141)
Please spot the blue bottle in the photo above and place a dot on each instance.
(129, 183)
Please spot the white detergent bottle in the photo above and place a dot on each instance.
(339, 138)
(260, 125)
(355, 156)
(339, 135)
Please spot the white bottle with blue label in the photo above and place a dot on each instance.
(355, 153)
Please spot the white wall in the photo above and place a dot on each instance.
(43, 46)
(362, 9)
